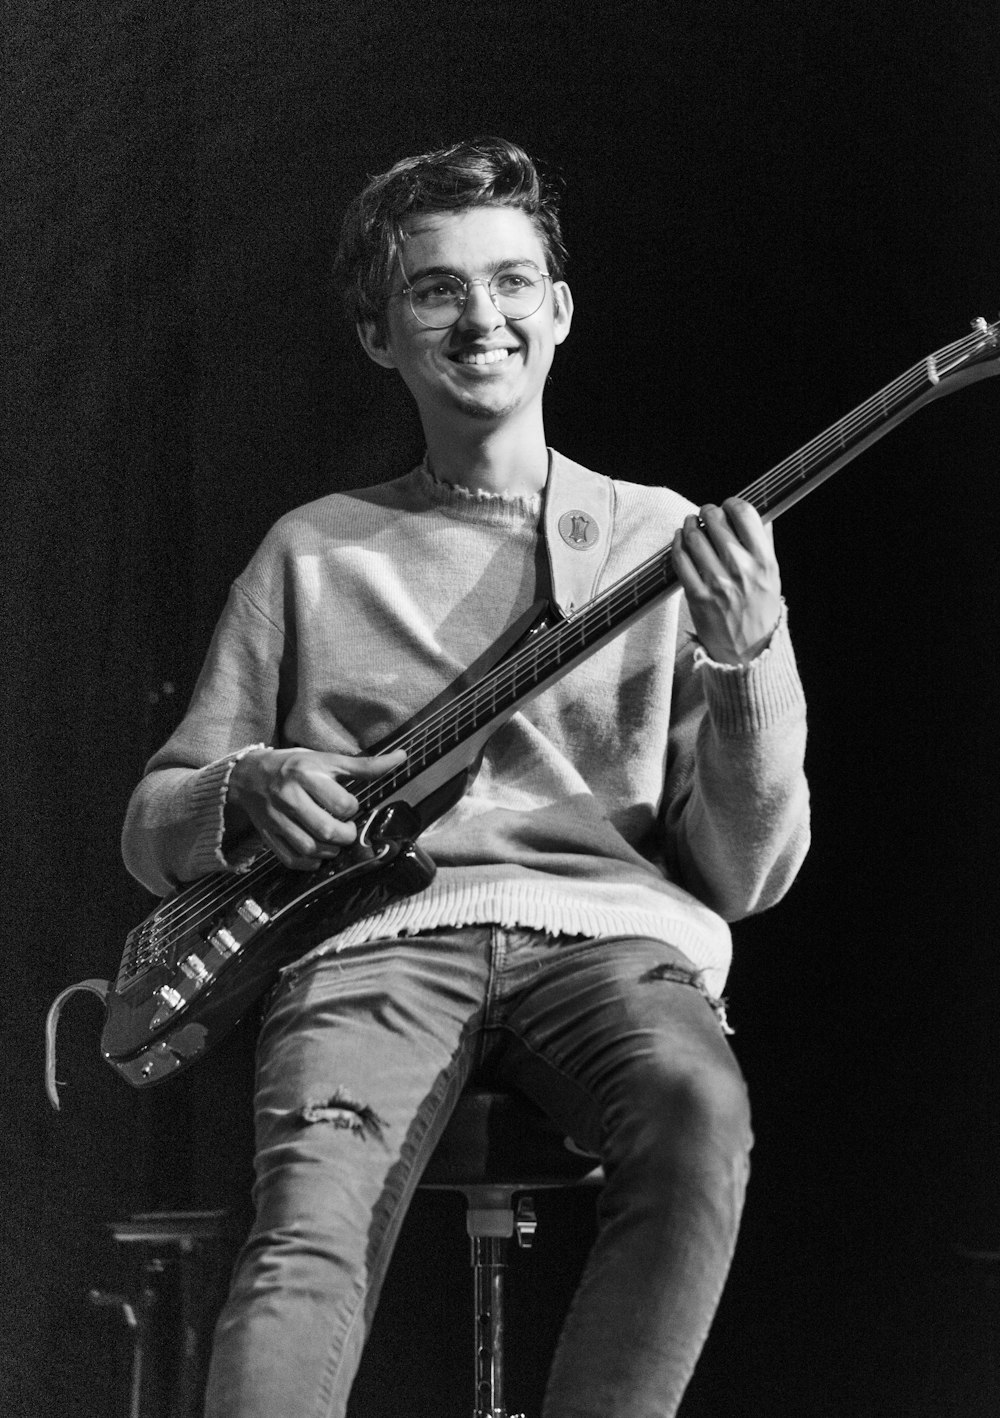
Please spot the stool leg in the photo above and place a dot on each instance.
(488, 1261)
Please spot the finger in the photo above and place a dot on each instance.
(737, 535)
(332, 789)
(687, 572)
(296, 848)
(313, 817)
(702, 540)
(679, 551)
(720, 538)
(745, 521)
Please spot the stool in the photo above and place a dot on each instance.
(164, 1241)
(494, 1146)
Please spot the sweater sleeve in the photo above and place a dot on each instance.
(173, 829)
(737, 804)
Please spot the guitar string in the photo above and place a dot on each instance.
(548, 649)
(270, 867)
(906, 381)
(262, 870)
(230, 887)
(899, 388)
(885, 401)
(597, 609)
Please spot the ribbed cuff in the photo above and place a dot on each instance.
(209, 789)
(749, 698)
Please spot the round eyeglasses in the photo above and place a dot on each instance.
(438, 301)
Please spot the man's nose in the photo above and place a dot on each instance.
(480, 313)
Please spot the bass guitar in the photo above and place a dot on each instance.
(195, 965)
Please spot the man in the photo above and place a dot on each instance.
(573, 943)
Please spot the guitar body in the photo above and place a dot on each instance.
(187, 976)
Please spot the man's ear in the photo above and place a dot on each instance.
(375, 346)
(562, 310)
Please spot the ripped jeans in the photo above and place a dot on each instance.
(360, 1061)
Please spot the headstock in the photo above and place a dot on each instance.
(975, 356)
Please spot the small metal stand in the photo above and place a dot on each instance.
(491, 1221)
(168, 1243)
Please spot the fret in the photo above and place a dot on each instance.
(801, 459)
(522, 676)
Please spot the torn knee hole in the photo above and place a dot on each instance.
(342, 1111)
(680, 974)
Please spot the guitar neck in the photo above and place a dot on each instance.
(553, 651)
(794, 478)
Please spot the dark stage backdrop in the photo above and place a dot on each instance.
(772, 210)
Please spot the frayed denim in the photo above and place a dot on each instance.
(361, 1059)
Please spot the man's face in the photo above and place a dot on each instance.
(487, 366)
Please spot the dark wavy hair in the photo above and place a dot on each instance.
(481, 172)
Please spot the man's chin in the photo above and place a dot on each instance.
(486, 410)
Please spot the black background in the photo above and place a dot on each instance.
(772, 210)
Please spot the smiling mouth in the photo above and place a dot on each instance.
(482, 356)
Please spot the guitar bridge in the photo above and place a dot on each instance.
(193, 966)
(146, 953)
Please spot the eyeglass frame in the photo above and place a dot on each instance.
(467, 287)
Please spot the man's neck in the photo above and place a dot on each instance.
(496, 461)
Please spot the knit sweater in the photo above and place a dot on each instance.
(650, 791)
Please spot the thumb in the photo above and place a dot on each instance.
(371, 765)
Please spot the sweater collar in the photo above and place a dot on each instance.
(473, 504)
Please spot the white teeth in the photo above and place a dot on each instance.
(484, 357)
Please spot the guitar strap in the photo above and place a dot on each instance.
(96, 987)
(578, 522)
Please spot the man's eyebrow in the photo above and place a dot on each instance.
(492, 268)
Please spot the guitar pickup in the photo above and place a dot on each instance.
(171, 1001)
(241, 926)
(225, 942)
(253, 914)
(194, 969)
(194, 975)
